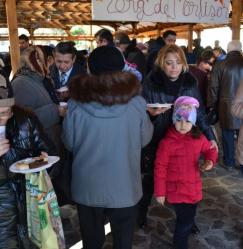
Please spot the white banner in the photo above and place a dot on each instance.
(185, 11)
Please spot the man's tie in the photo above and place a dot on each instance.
(63, 78)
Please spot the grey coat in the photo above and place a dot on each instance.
(106, 142)
(29, 92)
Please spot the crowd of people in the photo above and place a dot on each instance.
(116, 151)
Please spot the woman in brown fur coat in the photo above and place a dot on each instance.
(237, 110)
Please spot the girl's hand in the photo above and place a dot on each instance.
(4, 146)
(214, 145)
(207, 165)
(157, 111)
(160, 200)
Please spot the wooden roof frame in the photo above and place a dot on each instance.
(64, 14)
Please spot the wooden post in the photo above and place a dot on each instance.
(189, 38)
(236, 15)
(13, 34)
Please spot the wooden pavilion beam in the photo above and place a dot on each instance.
(13, 34)
(189, 38)
(236, 16)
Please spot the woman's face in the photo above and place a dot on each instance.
(5, 114)
(172, 66)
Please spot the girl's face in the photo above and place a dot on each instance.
(5, 115)
(183, 126)
(172, 66)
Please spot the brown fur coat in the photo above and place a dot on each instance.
(108, 88)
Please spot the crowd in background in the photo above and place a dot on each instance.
(91, 110)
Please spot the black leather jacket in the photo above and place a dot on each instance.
(26, 137)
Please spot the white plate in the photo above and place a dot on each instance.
(62, 89)
(51, 161)
(157, 105)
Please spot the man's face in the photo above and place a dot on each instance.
(170, 39)
(23, 44)
(64, 62)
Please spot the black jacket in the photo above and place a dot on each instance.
(157, 88)
(26, 139)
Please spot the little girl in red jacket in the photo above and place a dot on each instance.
(177, 171)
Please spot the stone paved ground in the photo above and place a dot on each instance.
(219, 217)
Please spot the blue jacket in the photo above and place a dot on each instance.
(106, 143)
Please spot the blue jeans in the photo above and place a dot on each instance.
(228, 143)
(185, 215)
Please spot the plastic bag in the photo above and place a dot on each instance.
(43, 215)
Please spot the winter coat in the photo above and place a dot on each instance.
(29, 92)
(225, 80)
(157, 88)
(26, 140)
(106, 142)
(177, 172)
(237, 110)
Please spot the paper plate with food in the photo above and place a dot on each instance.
(33, 164)
(159, 105)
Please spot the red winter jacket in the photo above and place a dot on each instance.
(176, 172)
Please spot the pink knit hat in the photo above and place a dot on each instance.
(185, 108)
(187, 101)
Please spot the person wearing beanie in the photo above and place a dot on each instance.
(105, 128)
(21, 136)
(98, 62)
(177, 171)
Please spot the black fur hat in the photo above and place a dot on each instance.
(105, 59)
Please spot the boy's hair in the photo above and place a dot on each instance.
(24, 37)
(169, 32)
(104, 34)
(196, 132)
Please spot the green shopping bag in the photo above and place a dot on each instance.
(43, 215)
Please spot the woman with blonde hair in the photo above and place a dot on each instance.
(32, 90)
(168, 80)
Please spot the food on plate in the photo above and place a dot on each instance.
(22, 165)
(34, 162)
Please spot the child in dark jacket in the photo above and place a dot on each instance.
(177, 171)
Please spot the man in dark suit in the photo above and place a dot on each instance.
(65, 67)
